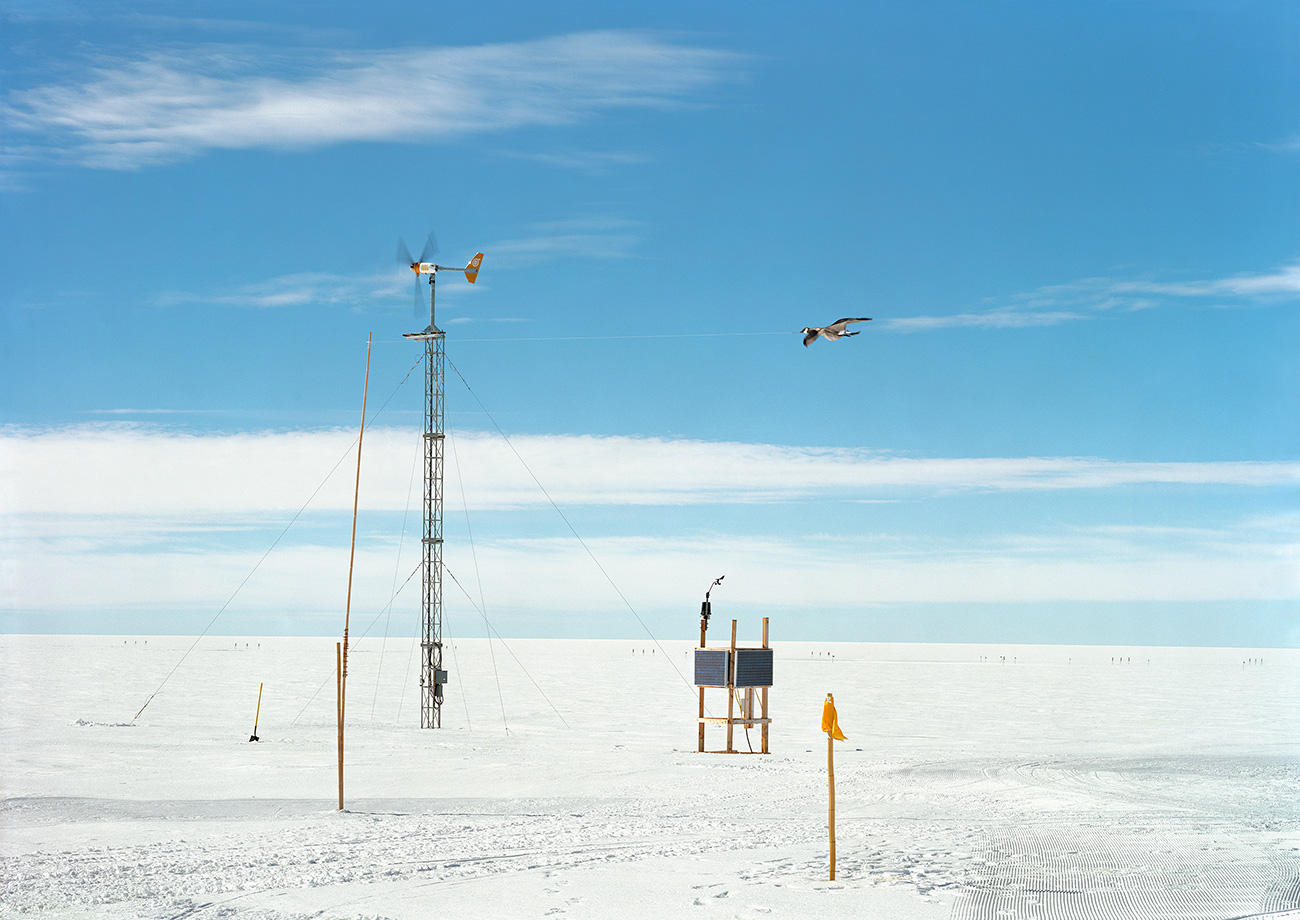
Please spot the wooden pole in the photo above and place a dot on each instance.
(731, 687)
(342, 648)
(703, 628)
(356, 496)
(764, 694)
(338, 678)
(830, 771)
(830, 776)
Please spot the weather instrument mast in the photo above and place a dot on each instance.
(433, 677)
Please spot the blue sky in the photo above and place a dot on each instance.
(1072, 418)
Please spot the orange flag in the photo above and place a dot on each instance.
(830, 720)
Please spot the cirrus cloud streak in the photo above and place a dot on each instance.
(141, 470)
(168, 105)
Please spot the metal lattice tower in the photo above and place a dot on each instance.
(432, 675)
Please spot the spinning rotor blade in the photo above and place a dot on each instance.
(430, 248)
(405, 258)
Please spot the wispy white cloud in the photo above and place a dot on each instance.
(1088, 298)
(1286, 145)
(158, 411)
(593, 238)
(597, 238)
(1283, 145)
(847, 572)
(539, 575)
(172, 104)
(582, 160)
(149, 471)
(992, 319)
(170, 520)
(306, 288)
(1283, 281)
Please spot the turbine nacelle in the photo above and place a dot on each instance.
(470, 270)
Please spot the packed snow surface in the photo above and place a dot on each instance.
(977, 783)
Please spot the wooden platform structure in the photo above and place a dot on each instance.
(735, 669)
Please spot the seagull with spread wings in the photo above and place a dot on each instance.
(836, 330)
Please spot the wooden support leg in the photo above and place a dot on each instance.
(701, 748)
(703, 628)
(764, 693)
(731, 689)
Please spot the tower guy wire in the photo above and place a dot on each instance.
(572, 529)
(604, 338)
(365, 633)
(492, 629)
(397, 566)
(482, 601)
(274, 544)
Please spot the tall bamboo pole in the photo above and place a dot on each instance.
(347, 614)
(356, 497)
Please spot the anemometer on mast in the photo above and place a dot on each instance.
(433, 677)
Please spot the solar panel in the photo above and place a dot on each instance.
(712, 667)
(753, 667)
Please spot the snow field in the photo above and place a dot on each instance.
(1057, 784)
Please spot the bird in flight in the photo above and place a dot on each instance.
(835, 330)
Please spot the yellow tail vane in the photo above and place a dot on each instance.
(471, 270)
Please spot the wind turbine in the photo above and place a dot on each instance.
(433, 677)
(426, 266)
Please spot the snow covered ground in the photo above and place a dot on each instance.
(1059, 782)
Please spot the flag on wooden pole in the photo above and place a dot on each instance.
(831, 720)
(831, 726)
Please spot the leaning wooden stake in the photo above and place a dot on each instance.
(257, 715)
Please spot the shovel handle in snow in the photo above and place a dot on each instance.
(258, 715)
